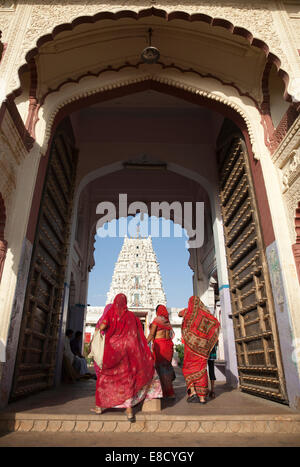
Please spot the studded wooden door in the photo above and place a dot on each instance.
(256, 338)
(36, 357)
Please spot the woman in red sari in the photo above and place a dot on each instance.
(200, 331)
(127, 373)
(161, 332)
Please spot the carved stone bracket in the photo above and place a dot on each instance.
(291, 170)
(12, 153)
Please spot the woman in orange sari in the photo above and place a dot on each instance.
(127, 375)
(161, 332)
(200, 331)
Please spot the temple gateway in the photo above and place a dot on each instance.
(196, 102)
(137, 275)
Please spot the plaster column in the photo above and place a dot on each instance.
(284, 282)
(231, 370)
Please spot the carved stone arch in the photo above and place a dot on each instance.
(125, 80)
(3, 242)
(93, 16)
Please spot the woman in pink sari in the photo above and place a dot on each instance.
(128, 374)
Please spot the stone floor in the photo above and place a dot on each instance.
(78, 398)
(62, 417)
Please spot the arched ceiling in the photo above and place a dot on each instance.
(146, 126)
(88, 46)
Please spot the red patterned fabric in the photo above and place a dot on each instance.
(128, 364)
(194, 370)
(200, 331)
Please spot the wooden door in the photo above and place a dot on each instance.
(256, 337)
(37, 351)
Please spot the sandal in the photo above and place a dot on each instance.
(193, 399)
(130, 417)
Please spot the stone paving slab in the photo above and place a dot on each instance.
(213, 424)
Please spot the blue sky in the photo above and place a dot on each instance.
(171, 253)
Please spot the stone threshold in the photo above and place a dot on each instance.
(149, 423)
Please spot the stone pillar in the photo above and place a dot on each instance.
(231, 370)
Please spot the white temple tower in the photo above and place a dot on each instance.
(137, 275)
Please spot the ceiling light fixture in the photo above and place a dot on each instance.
(150, 54)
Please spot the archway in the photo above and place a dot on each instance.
(170, 79)
(144, 175)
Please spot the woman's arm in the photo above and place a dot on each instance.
(152, 333)
(102, 326)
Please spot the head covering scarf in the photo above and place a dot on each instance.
(162, 318)
(200, 329)
(120, 304)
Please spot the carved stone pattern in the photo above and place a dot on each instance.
(291, 170)
(12, 152)
(256, 18)
(5, 24)
(287, 159)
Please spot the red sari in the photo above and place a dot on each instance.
(163, 351)
(200, 331)
(128, 364)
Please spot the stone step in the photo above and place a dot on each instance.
(151, 422)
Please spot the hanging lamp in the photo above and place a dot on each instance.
(150, 54)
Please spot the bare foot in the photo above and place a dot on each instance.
(97, 410)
